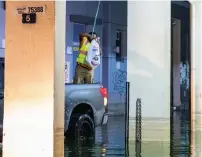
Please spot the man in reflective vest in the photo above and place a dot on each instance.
(83, 72)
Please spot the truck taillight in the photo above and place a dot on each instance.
(103, 91)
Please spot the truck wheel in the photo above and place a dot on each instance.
(82, 126)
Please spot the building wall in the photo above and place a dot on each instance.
(114, 16)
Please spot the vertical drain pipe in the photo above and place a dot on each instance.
(138, 135)
(127, 118)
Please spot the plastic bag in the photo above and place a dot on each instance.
(93, 54)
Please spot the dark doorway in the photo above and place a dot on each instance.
(180, 78)
(180, 16)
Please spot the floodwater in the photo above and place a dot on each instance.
(110, 140)
(156, 141)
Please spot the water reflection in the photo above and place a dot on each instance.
(181, 137)
(110, 142)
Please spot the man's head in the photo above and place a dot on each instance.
(93, 34)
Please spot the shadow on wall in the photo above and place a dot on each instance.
(147, 82)
(144, 69)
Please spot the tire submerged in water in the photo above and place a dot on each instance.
(81, 127)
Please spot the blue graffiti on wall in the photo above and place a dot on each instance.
(119, 81)
(184, 75)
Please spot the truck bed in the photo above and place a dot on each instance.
(70, 86)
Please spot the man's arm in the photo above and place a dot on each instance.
(83, 42)
(84, 35)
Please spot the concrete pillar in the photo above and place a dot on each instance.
(148, 69)
(196, 73)
(34, 81)
(149, 65)
(196, 48)
(149, 57)
(176, 61)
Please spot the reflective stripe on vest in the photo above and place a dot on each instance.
(82, 55)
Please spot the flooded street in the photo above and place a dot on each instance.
(110, 141)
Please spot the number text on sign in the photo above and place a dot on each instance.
(29, 18)
(35, 9)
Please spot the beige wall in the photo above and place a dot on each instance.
(34, 79)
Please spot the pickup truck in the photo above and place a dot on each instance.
(85, 108)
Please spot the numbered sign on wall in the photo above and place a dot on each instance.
(31, 10)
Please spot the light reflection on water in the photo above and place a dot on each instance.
(110, 142)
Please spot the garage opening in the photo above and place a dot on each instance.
(180, 78)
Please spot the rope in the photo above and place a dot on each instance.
(98, 7)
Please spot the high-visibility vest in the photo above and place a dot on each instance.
(83, 52)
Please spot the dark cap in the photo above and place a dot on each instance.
(92, 33)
